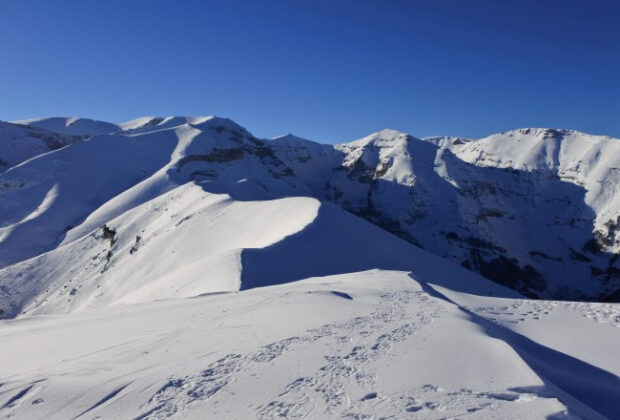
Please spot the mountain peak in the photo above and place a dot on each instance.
(390, 133)
(71, 125)
(384, 138)
(291, 139)
(160, 123)
(215, 122)
(543, 132)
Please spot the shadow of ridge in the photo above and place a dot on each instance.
(595, 388)
(338, 242)
(240, 190)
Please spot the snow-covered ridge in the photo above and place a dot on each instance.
(187, 269)
(71, 125)
(535, 209)
(158, 123)
(19, 143)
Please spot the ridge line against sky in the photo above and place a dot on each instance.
(119, 125)
(328, 71)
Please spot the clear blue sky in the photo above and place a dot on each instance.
(325, 70)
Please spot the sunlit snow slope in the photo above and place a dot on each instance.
(19, 143)
(536, 210)
(370, 344)
(181, 267)
(72, 126)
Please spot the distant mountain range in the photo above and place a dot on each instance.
(94, 213)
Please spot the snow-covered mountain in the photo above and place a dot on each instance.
(536, 210)
(19, 143)
(72, 126)
(82, 231)
(181, 267)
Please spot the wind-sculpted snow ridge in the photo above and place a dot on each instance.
(187, 243)
(93, 233)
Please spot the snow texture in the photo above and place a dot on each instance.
(181, 267)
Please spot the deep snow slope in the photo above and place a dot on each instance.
(19, 143)
(371, 344)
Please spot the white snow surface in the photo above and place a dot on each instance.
(19, 143)
(369, 344)
(72, 125)
(180, 267)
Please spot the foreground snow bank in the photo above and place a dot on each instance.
(374, 343)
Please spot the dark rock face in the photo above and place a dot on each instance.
(530, 230)
(216, 155)
(109, 234)
(507, 272)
